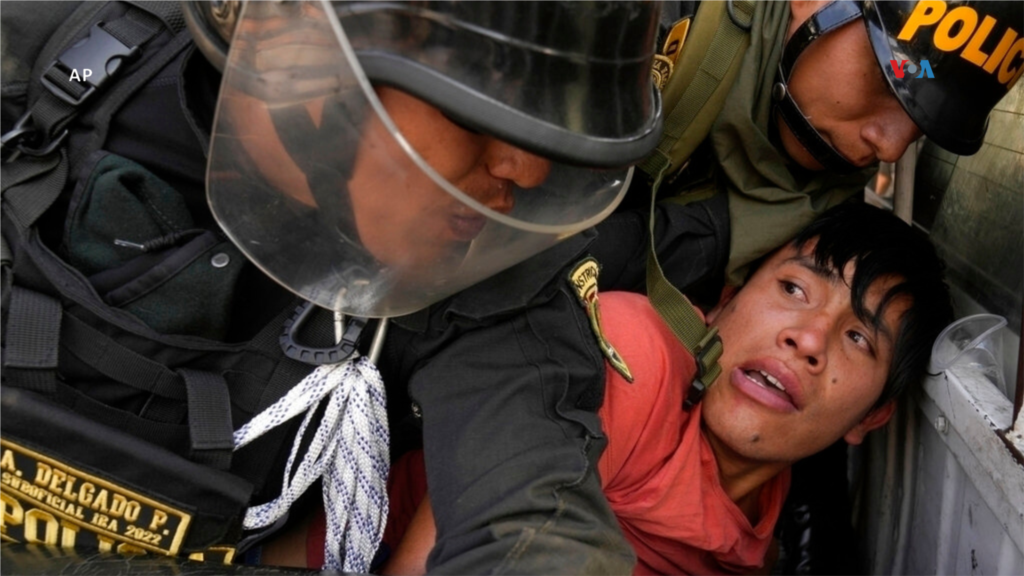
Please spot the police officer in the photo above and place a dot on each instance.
(437, 164)
(815, 104)
(381, 195)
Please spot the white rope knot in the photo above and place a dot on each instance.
(349, 450)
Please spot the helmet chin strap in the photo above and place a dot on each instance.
(832, 17)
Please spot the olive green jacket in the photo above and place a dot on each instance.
(770, 197)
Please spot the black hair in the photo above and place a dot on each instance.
(882, 246)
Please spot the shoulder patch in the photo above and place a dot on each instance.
(665, 62)
(675, 39)
(583, 279)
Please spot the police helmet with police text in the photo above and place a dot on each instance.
(948, 64)
(973, 50)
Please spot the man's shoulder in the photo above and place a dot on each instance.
(535, 292)
(661, 367)
(529, 284)
(643, 419)
(633, 320)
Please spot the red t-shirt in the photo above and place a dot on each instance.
(658, 471)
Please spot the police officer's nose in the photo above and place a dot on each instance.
(890, 132)
(808, 339)
(508, 162)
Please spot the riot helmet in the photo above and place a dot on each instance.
(340, 124)
(956, 59)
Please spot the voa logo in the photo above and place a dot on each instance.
(900, 68)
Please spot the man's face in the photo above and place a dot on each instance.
(792, 326)
(839, 86)
(403, 217)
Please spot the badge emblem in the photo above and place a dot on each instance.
(583, 279)
(661, 70)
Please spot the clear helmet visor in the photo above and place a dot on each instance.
(372, 202)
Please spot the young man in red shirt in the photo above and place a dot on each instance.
(819, 343)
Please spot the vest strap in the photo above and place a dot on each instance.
(33, 336)
(681, 316)
(705, 73)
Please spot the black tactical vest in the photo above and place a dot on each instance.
(131, 351)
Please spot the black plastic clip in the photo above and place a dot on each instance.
(695, 394)
(18, 140)
(16, 136)
(709, 350)
(319, 356)
(100, 53)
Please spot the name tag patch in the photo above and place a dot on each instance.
(46, 501)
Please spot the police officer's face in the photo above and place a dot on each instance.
(839, 86)
(402, 216)
(792, 327)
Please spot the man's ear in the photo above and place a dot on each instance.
(874, 419)
(727, 295)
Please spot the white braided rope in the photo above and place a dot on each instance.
(349, 450)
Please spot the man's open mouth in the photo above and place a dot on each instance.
(767, 388)
(764, 379)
